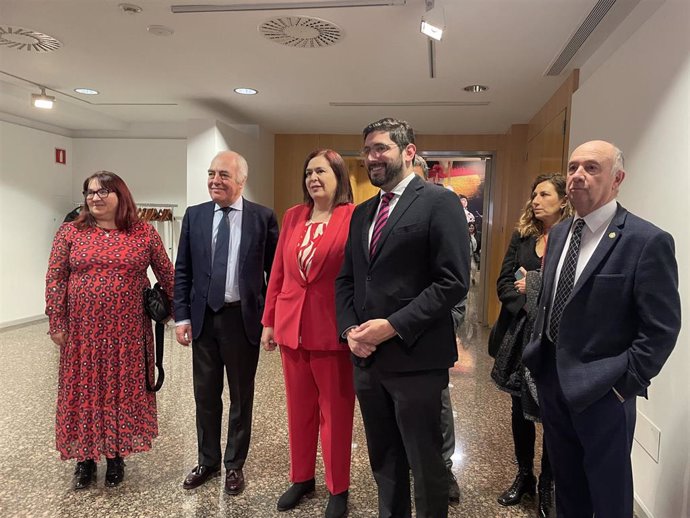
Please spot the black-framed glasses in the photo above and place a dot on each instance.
(376, 149)
(102, 193)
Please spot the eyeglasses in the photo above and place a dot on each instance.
(376, 149)
(102, 193)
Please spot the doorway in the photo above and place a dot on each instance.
(467, 174)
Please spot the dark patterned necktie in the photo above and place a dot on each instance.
(219, 269)
(381, 219)
(566, 280)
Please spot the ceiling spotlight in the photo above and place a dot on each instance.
(476, 88)
(130, 9)
(160, 30)
(42, 100)
(86, 91)
(246, 91)
(433, 20)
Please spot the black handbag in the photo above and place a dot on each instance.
(157, 307)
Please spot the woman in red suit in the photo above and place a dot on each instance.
(300, 317)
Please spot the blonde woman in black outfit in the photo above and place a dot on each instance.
(518, 288)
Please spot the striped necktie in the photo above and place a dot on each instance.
(381, 218)
(566, 280)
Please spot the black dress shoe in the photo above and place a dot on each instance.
(337, 505)
(115, 472)
(545, 508)
(295, 493)
(453, 489)
(234, 481)
(199, 475)
(524, 484)
(84, 474)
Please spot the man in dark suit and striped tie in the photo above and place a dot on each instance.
(405, 266)
(608, 319)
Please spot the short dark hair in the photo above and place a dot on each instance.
(343, 192)
(125, 216)
(421, 163)
(400, 131)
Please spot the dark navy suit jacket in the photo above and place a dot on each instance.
(193, 264)
(623, 316)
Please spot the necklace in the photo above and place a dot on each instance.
(106, 231)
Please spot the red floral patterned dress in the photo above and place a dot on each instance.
(94, 293)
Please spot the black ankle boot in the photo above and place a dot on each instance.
(337, 505)
(545, 489)
(84, 474)
(295, 493)
(115, 472)
(523, 484)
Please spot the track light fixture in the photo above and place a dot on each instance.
(433, 20)
(42, 100)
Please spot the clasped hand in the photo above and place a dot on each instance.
(365, 338)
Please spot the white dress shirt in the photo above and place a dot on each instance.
(596, 223)
(397, 190)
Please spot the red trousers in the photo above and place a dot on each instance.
(320, 399)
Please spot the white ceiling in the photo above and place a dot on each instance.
(504, 44)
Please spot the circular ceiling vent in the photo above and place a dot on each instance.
(26, 39)
(301, 31)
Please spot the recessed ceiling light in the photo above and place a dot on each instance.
(160, 30)
(246, 91)
(130, 9)
(86, 91)
(476, 88)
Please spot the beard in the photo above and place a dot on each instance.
(393, 171)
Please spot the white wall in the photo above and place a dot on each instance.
(206, 138)
(638, 96)
(153, 169)
(256, 146)
(35, 194)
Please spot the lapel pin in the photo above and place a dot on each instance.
(612, 235)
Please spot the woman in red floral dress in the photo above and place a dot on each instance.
(94, 300)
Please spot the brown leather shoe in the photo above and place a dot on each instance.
(199, 475)
(234, 481)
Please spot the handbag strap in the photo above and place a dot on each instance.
(160, 328)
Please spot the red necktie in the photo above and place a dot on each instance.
(381, 218)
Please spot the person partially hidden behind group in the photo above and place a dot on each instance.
(95, 306)
(518, 287)
(421, 169)
(300, 317)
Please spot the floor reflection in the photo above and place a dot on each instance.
(36, 483)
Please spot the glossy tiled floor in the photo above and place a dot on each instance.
(34, 482)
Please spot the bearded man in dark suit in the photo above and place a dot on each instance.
(405, 267)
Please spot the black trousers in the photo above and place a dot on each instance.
(589, 450)
(402, 423)
(223, 349)
(524, 435)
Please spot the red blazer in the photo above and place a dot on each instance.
(301, 312)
